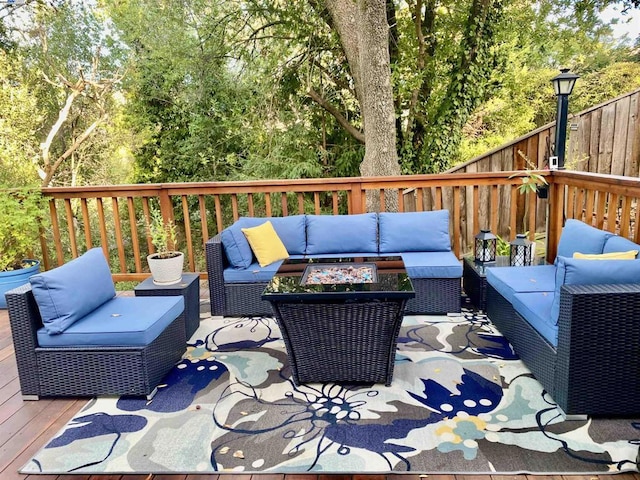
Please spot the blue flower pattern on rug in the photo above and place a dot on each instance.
(461, 401)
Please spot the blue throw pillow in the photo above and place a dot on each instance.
(236, 246)
(414, 232)
(342, 233)
(577, 236)
(575, 271)
(69, 292)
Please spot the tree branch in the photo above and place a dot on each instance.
(344, 123)
(49, 172)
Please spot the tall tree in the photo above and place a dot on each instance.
(364, 35)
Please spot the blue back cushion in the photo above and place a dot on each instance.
(291, 231)
(69, 292)
(616, 243)
(592, 272)
(342, 233)
(415, 232)
(577, 236)
(236, 246)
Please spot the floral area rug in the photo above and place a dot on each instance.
(460, 402)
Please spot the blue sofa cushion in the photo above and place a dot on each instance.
(535, 308)
(616, 243)
(254, 273)
(577, 236)
(414, 232)
(122, 321)
(291, 231)
(236, 246)
(432, 265)
(342, 233)
(511, 280)
(67, 293)
(574, 271)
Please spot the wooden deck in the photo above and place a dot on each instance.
(27, 426)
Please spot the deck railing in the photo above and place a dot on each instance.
(115, 217)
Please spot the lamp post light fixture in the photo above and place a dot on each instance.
(563, 86)
(485, 246)
(520, 253)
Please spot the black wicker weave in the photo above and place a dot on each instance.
(78, 372)
(595, 369)
(433, 295)
(189, 288)
(351, 342)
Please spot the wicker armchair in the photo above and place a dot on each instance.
(595, 369)
(87, 371)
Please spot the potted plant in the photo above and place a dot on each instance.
(20, 216)
(165, 264)
(533, 183)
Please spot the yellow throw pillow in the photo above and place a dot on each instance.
(630, 255)
(265, 243)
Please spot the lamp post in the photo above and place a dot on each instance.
(562, 85)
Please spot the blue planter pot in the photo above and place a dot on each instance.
(15, 278)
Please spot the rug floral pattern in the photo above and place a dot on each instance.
(460, 402)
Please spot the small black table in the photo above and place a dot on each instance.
(340, 332)
(474, 277)
(189, 288)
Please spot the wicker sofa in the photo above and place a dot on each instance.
(74, 337)
(236, 280)
(575, 323)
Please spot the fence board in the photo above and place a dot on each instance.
(619, 138)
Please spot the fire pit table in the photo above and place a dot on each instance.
(340, 317)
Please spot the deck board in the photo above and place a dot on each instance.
(26, 426)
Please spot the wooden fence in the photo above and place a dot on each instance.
(603, 139)
(115, 217)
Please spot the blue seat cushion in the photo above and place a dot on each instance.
(291, 230)
(67, 293)
(253, 274)
(616, 243)
(511, 280)
(121, 322)
(575, 271)
(432, 265)
(535, 308)
(577, 236)
(342, 233)
(414, 232)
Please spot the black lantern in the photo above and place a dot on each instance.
(521, 248)
(485, 247)
(563, 86)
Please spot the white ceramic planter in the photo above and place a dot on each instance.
(166, 271)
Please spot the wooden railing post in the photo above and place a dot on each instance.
(556, 217)
(356, 198)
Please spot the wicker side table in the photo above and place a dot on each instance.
(189, 288)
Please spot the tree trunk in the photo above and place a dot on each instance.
(364, 35)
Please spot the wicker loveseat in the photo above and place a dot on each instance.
(236, 280)
(74, 337)
(575, 323)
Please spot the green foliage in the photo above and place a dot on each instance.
(163, 234)
(20, 217)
